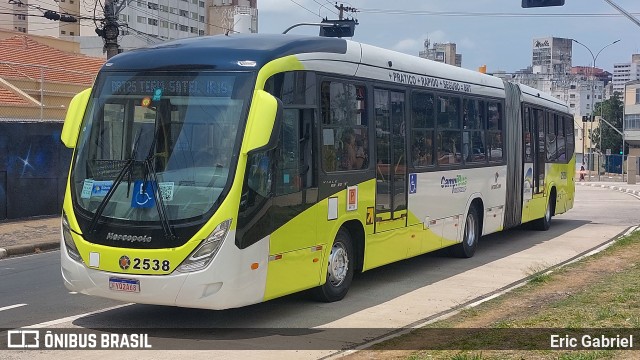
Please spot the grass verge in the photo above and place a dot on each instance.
(591, 296)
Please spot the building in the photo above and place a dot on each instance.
(37, 79)
(14, 17)
(142, 22)
(19, 16)
(632, 117)
(441, 52)
(625, 72)
(165, 19)
(598, 73)
(238, 15)
(552, 56)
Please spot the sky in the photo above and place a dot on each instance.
(502, 41)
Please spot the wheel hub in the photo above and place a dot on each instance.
(470, 230)
(338, 264)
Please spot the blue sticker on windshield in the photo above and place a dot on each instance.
(157, 94)
(143, 195)
(101, 188)
(413, 183)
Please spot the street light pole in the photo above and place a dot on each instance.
(591, 114)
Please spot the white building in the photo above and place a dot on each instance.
(441, 52)
(164, 19)
(625, 72)
(552, 55)
(232, 15)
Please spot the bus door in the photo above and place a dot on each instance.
(391, 160)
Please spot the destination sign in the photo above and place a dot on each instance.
(216, 86)
(428, 81)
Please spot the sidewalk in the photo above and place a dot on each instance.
(618, 186)
(28, 236)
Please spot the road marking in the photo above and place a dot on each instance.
(74, 317)
(12, 307)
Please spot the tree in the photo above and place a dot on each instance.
(611, 110)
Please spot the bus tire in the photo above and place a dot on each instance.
(467, 248)
(544, 223)
(340, 269)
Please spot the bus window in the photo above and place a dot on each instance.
(494, 127)
(293, 87)
(552, 150)
(473, 147)
(449, 141)
(561, 141)
(569, 136)
(288, 180)
(528, 136)
(345, 127)
(448, 112)
(422, 129)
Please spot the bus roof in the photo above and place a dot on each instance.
(223, 52)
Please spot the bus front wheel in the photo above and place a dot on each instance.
(470, 238)
(339, 270)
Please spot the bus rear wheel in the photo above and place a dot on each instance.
(339, 270)
(467, 248)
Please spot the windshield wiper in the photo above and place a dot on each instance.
(150, 169)
(126, 170)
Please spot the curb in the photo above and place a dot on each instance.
(612, 187)
(28, 249)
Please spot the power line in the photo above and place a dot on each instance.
(484, 14)
(293, 1)
(324, 6)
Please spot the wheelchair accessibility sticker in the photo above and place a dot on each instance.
(143, 194)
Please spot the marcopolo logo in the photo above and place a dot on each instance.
(457, 184)
(129, 238)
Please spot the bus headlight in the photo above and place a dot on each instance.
(207, 250)
(69, 244)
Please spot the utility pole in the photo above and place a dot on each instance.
(109, 31)
(342, 9)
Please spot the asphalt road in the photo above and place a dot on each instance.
(379, 300)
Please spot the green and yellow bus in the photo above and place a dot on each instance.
(217, 172)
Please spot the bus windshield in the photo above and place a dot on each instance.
(173, 133)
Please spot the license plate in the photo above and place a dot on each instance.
(128, 285)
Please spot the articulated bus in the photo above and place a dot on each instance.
(217, 172)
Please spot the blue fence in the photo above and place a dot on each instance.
(33, 168)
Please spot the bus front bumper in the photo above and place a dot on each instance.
(221, 285)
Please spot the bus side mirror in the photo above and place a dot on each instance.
(73, 119)
(264, 122)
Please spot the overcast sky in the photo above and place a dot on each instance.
(502, 41)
